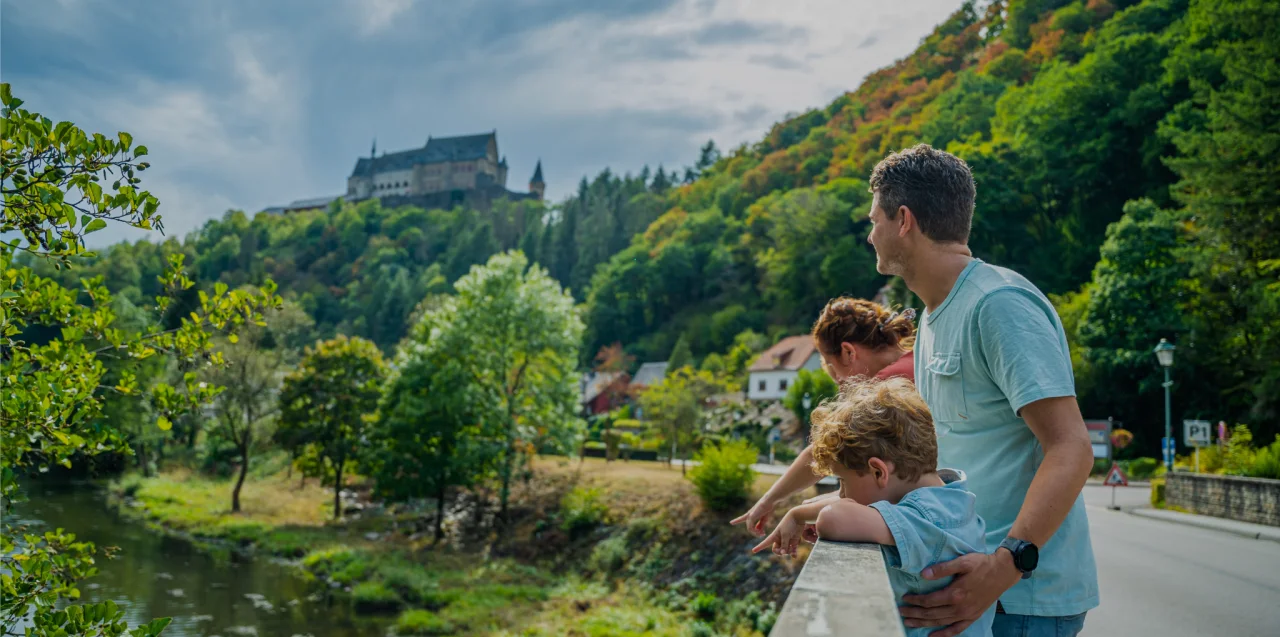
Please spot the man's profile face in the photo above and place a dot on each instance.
(884, 238)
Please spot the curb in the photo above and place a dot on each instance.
(1242, 529)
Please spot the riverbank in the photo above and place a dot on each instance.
(632, 552)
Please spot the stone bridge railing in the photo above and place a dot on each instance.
(842, 590)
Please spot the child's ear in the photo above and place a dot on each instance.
(881, 471)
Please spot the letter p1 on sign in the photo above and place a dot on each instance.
(1197, 433)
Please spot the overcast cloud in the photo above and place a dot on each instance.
(250, 103)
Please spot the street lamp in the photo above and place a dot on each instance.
(1164, 354)
(806, 401)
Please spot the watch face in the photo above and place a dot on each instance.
(1028, 557)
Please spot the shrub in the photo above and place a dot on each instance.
(1266, 462)
(1157, 493)
(369, 597)
(1142, 468)
(609, 555)
(1100, 466)
(413, 583)
(642, 529)
(328, 562)
(700, 629)
(581, 509)
(422, 622)
(724, 474)
(1239, 454)
(705, 606)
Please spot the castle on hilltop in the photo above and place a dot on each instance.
(446, 172)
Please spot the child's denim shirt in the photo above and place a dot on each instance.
(932, 525)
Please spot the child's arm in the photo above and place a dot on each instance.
(847, 521)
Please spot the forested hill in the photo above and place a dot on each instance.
(1126, 156)
(1056, 105)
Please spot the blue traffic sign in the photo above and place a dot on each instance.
(1170, 451)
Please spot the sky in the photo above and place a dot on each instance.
(245, 104)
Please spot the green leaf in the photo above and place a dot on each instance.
(164, 424)
(126, 140)
(233, 338)
(140, 151)
(94, 226)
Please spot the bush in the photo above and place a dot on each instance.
(371, 597)
(1142, 468)
(1100, 466)
(422, 622)
(581, 509)
(1157, 493)
(1266, 462)
(706, 606)
(609, 555)
(1238, 459)
(724, 474)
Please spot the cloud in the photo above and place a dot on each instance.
(246, 104)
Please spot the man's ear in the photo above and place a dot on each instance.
(907, 221)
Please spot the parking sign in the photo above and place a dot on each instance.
(1196, 433)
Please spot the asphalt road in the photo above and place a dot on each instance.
(1169, 580)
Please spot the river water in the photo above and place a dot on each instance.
(206, 594)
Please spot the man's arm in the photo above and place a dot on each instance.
(1068, 459)
(847, 521)
(799, 476)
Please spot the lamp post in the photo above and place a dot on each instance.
(1164, 354)
(806, 401)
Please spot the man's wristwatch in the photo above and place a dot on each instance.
(1025, 555)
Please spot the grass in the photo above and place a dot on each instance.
(634, 476)
(622, 512)
(589, 609)
(276, 514)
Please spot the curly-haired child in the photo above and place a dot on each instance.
(878, 438)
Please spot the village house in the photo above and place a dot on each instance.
(775, 370)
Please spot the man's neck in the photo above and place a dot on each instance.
(934, 273)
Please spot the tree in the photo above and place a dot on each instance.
(678, 405)
(327, 400)
(613, 358)
(429, 435)
(680, 355)
(255, 366)
(516, 332)
(51, 178)
(1227, 163)
(818, 386)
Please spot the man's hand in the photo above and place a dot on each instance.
(757, 519)
(980, 580)
(786, 537)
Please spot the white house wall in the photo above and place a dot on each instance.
(773, 380)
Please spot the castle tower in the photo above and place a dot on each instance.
(536, 185)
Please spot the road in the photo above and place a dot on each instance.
(1170, 580)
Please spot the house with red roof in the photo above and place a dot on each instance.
(775, 370)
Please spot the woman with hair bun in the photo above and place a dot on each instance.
(855, 338)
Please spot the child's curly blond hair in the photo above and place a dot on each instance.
(885, 419)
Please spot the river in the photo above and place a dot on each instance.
(205, 593)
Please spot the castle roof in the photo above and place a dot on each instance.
(537, 174)
(438, 150)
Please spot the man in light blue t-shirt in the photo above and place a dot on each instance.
(991, 360)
